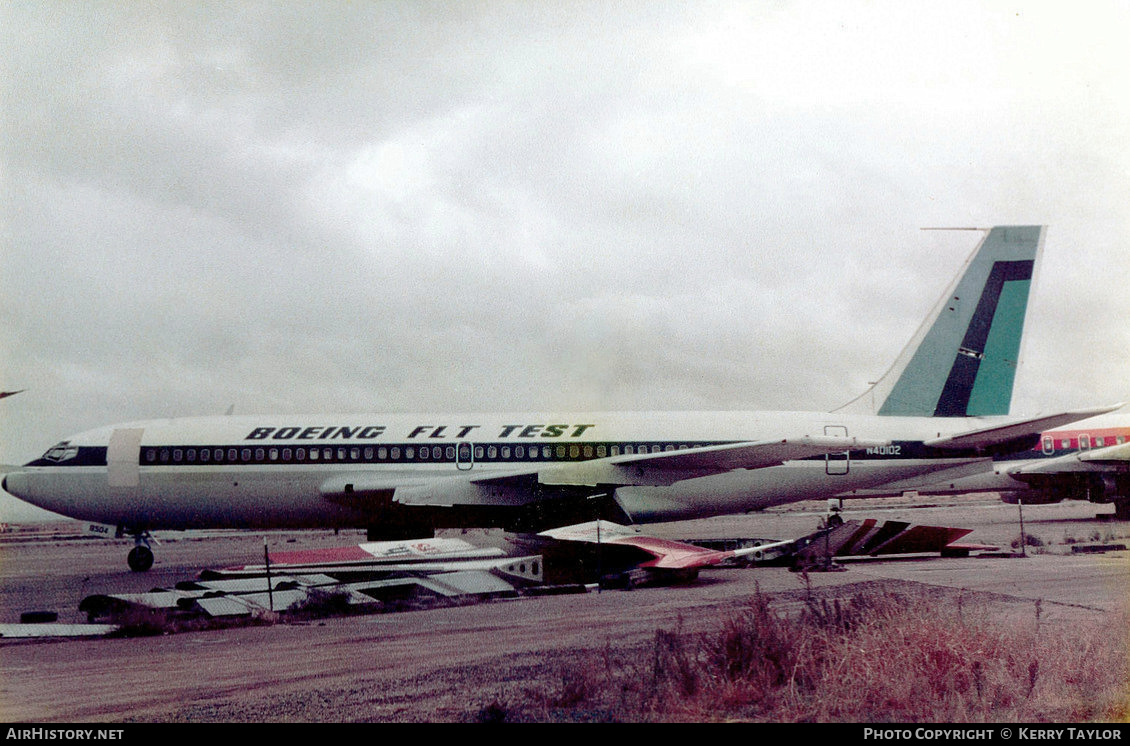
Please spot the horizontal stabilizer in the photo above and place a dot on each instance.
(999, 434)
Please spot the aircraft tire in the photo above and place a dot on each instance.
(140, 558)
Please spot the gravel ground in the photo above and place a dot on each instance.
(477, 662)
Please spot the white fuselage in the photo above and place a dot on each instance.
(271, 471)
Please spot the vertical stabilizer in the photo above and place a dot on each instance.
(962, 361)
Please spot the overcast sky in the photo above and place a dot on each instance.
(406, 206)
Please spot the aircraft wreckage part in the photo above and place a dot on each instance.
(454, 570)
(855, 538)
(53, 629)
(390, 551)
(246, 591)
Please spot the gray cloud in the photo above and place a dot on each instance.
(421, 206)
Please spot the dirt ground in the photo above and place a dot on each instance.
(469, 663)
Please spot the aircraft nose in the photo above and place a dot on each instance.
(12, 483)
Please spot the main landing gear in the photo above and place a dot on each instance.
(834, 515)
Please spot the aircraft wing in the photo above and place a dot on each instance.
(1098, 459)
(997, 435)
(749, 455)
(668, 467)
(514, 486)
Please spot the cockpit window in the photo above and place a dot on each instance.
(61, 452)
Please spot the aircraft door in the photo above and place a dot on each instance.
(464, 455)
(837, 464)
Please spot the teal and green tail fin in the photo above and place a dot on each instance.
(962, 361)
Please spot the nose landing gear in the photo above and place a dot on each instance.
(140, 558)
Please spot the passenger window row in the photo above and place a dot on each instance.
(461, 452)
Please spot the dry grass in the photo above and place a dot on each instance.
(875, 656)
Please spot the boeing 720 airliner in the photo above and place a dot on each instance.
(940, 411)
